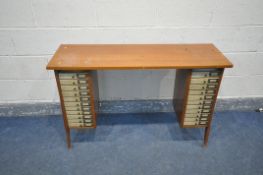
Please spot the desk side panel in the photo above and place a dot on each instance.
(180, 91)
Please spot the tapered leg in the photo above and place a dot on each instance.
(206, 136)
(68, 138)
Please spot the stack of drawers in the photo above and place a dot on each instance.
(201, 96)
(76, 94)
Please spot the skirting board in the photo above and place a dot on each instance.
(125, 106)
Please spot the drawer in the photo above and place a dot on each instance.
(75, 108)
(193, 111)
(77, 104)
(196, 111)
(197, 86)
(76, 99)
(193, 102)
(79, 120)
(201, 92)
(75, 93)
(197, 92)
(192, 115)
(78, 112)
(195, 80)
(196, 99)
(197, 106)
(68, 82)
(192, 123)
(72, 76)
(73, 88)
(80, 125)
(79, 116)
(73, 82)
(200, 74)
(191, 120)
(68, 76)
(198, 80)
(206, 73)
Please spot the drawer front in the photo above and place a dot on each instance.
(75, 120)
(73, 76)
(77, 116)
(191, 119)
(78, 112)
(74, 88)
(198, 80)
(77, 100)
(202, 92)
(197, 106)
(193, 102)
(75, 93)
(195, 123)
(80, 125)
(201, 73)
(77, 104)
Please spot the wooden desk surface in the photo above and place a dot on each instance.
(137, 56)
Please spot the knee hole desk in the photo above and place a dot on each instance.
(199, 71)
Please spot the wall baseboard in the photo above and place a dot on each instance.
(125, 106)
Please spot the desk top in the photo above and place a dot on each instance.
(137, 56)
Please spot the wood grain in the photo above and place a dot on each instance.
(137, 56)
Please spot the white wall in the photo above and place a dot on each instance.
(31, 30)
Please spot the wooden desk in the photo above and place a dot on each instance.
(198, 76)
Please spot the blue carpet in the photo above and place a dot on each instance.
(137, 144)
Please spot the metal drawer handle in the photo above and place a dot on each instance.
(211, 86)
(213, 81)
(82, 81)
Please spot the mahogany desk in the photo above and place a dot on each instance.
(199, 71)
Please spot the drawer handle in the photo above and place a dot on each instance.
(74, 83)
(211, 86)
(72, 76)
(213, 81)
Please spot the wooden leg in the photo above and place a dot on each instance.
(206, 136)
(68, 138)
